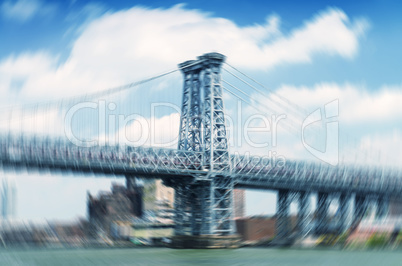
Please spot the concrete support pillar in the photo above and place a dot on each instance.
(343, 212)
(303, 217)
(323, 202)
(382, 207)
(361, 204)
(282, 215)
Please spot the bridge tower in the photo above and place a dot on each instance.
(204, 204)
(202, 122)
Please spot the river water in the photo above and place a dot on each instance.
(165, 256)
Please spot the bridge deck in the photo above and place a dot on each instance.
(255, 172)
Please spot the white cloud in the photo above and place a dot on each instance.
(179, 34)
(89, 11)
(389, 144)
(356, 103)
(33, 121)
(368, 120)
(126, 45)
(20, 10)
(155, 132)
(329, 32)
(24, 10)
(29, 68)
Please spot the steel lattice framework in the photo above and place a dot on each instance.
(159, 162)
(208, 201)
(203, 173)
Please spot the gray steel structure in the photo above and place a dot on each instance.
(206, 207)
(203, 173)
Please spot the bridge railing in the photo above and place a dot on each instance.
(165, 158)
(46, 152)
(263, 171)
(247, 170)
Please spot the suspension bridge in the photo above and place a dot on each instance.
(202, 170)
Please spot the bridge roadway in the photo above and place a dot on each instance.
(249, 172)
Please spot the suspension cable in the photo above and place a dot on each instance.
(286, 126)
(302, 111)
(96, 95)
(261, 92)
(289, 126)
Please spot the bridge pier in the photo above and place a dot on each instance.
(204, 207)
(323, 202)
(303, 217)
(343, 210)
(203, 215)
(360, 208)
(222, 205)
(201, 209)
(283, 228)
(182, 207)
(382, 207)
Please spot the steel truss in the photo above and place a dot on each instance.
(209, 200)
(247, 171)
(215, 139)
(48, 153)
(265, 172)
(204, 207)
(222, 205)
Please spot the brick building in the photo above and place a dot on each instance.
(239, 196)
(259, 228)
(256, 228)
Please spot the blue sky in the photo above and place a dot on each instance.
(54, 25)
(310, 52)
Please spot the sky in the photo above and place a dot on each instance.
(311, 53)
